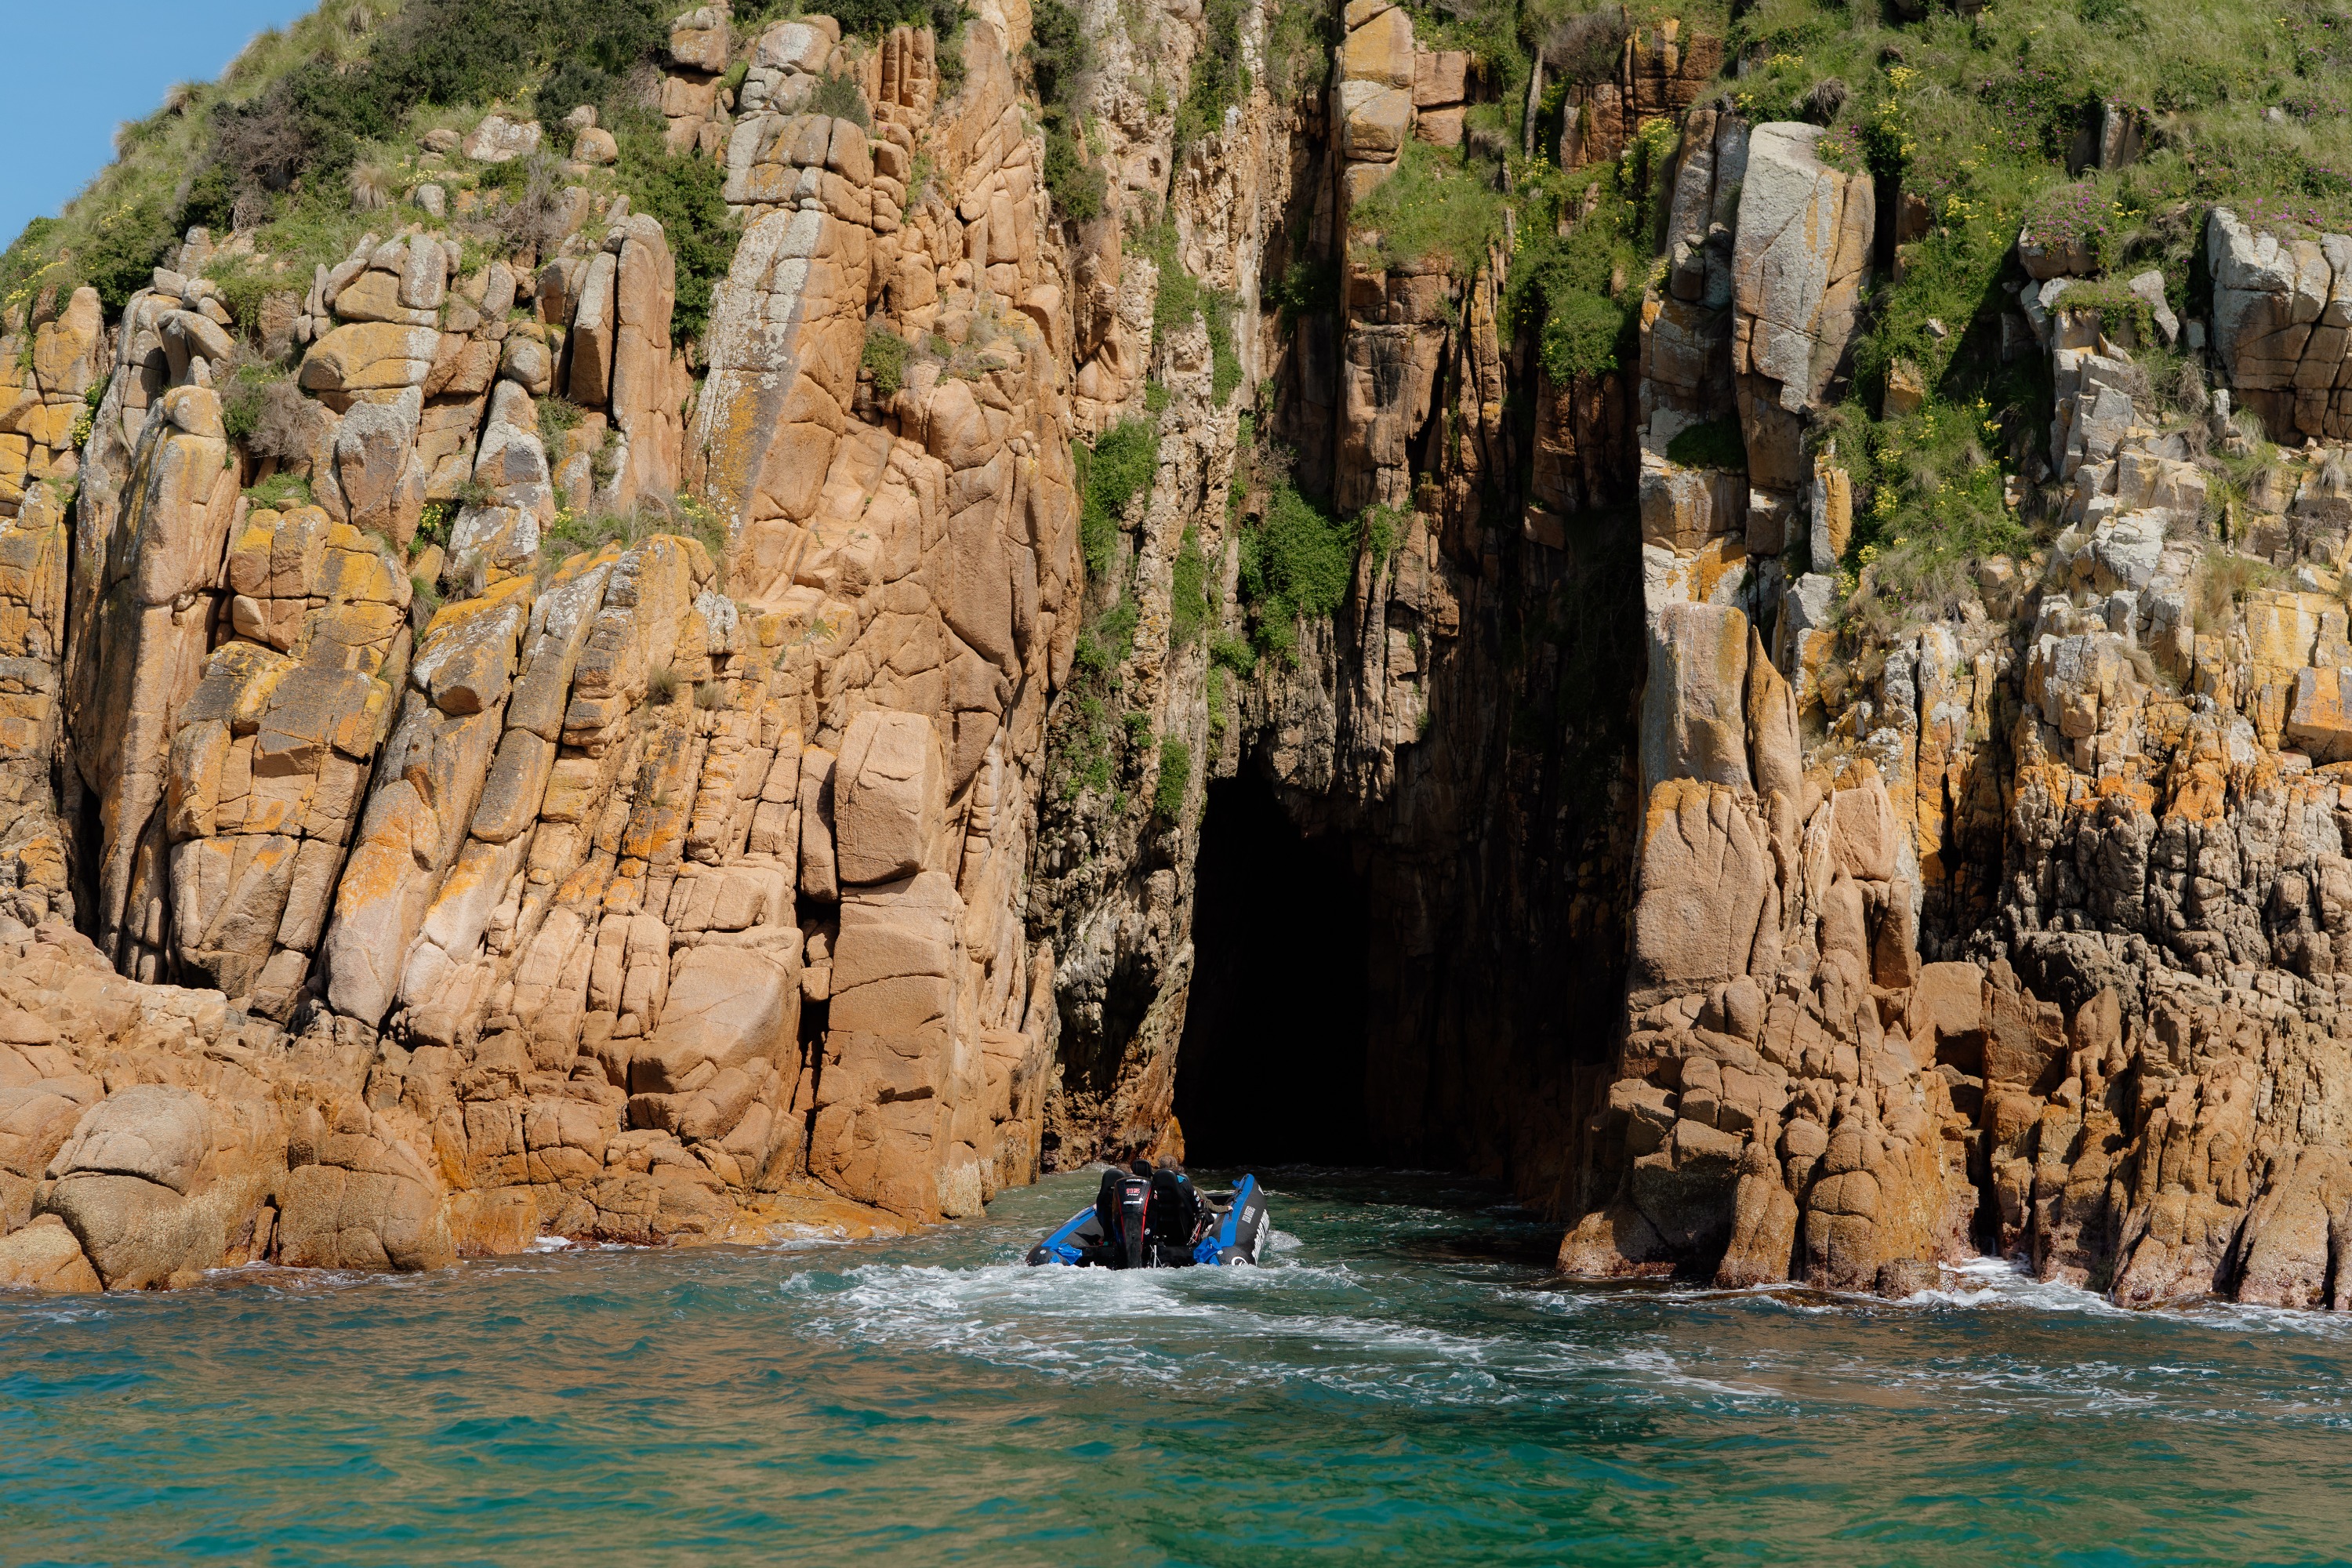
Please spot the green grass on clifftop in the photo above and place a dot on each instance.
(2236, 103)
(1986, 117)
(345, 92)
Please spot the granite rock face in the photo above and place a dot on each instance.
(1770, 1110)
(530, 914)
(2022, 942)
(2283, 324)
(384, 879)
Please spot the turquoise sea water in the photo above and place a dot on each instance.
(1397, 1386)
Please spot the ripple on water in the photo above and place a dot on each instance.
(1399, 1381)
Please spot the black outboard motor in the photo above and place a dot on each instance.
(1134, 1218)
(1122, 1215)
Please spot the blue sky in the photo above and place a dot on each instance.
(79, 67)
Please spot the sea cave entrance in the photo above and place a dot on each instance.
(1271, 1065)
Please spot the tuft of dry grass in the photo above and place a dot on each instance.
(370, 186)
(2220, 584)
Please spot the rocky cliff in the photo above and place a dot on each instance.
(2002, 921)
(536, 846)
(644, 647)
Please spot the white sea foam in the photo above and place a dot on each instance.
(1660, 1367)
(1197, 1328)
(2003, 1282)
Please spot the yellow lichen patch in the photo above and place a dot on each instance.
(453, 617)
(2199, 793)
(2281, 629)
(2138, 793)
(584, 886)
(806, 1209)
(571, 567)
(355, 569)
(1714, 561)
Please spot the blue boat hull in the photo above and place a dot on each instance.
(1237, 1225)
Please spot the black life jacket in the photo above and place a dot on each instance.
(1175, 1209)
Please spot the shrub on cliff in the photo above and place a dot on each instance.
(122, 251)
(686, 194)
(1111, 473)
(885, 355)
(1299, 36)
(1221, 78)
(844, 98)
(1080, 190)
(1060, 54)
(1307, 287)
(2220, 584)
(1581, 333)
(1296, 561)
(862, 18)
(311, 121)
(1574, 290)
(1175, 780)
(1378, 531)
(1927, 490)
(1181, 298)
(256, 396)
(1191, 603)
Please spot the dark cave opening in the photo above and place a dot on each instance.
(1271, 1065)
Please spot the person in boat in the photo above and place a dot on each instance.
(1122, 1210)
(1175, 1215)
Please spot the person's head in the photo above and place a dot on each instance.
(1173, 1165)
(1140, 1166)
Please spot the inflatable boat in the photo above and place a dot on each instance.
(1233, 1224)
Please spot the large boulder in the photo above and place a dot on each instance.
(44, 1256)
(889, 796)
(152, 1132)
(1797, 270)
(498, 140)
(2283, 324)
(697, 40)
(1705, 876)
(370, 356)
(360, 1196)
(377, 470)
(731, 1016)
(1682, 507)
(37, 1114)
(144, 1190)
(901, 1079)
(646, 390)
